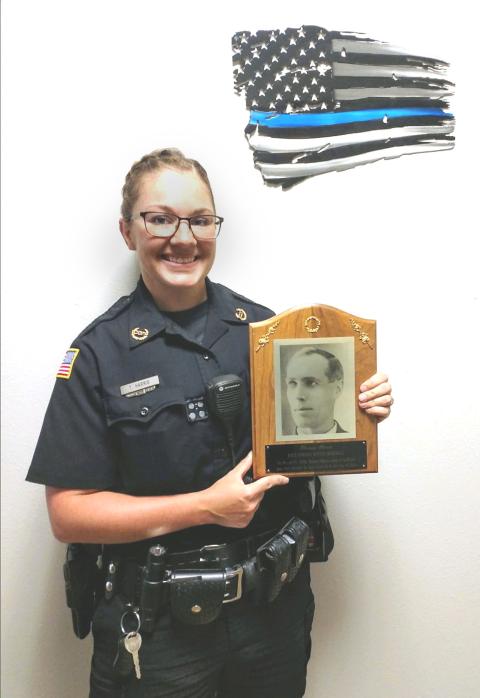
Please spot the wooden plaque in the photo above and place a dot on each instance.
(307, 365)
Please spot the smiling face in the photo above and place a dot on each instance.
(174, 269)
(311, 394)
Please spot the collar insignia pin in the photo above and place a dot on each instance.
(139, 333)
(240, 314)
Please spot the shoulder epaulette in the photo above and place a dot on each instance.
(109, 314)
(244, 299)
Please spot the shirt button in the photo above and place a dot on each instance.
(144, 411)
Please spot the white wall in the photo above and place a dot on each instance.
(91, 86)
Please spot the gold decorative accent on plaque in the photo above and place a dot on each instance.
(364, 338)
(312, 324)
(264, 339)
(240, 314)
(139, 333)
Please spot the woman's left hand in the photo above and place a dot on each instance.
(376, 396)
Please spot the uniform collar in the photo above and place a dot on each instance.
(221, 301)
(147, 321)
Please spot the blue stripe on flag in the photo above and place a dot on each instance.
(277, 120)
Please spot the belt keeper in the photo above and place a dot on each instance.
(111, 580)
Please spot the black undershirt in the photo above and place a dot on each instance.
(193, 321)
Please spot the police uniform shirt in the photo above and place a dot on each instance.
(132, 415)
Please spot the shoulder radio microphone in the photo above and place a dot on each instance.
(226, 399)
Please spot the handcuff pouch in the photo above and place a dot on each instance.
(281, 557)
(196, 596)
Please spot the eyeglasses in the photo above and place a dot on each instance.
(165, 225)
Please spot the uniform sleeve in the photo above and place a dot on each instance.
(75, 449)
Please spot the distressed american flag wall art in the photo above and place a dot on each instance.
(323, 101)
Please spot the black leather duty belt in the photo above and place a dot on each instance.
(195, 584)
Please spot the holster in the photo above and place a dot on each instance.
(81, 576)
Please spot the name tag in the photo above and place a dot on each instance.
(145, 385)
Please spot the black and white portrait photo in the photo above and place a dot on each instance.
(314, 388)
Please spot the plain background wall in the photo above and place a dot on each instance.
(89, 87)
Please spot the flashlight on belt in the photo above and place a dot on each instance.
(152, 581)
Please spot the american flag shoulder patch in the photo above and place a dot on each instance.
(65, 370)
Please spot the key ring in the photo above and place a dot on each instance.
(134, 612)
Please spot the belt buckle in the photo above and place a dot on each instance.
(235, 573)
(207, 549)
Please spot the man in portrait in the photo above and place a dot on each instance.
(314, 380)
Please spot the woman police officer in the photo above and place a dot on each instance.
(131, 457)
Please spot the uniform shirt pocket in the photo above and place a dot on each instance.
(152, 436)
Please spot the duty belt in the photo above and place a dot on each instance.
(195, 584)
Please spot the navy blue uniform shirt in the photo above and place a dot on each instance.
(95, 437)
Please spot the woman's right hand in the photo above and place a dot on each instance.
(232, 503)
